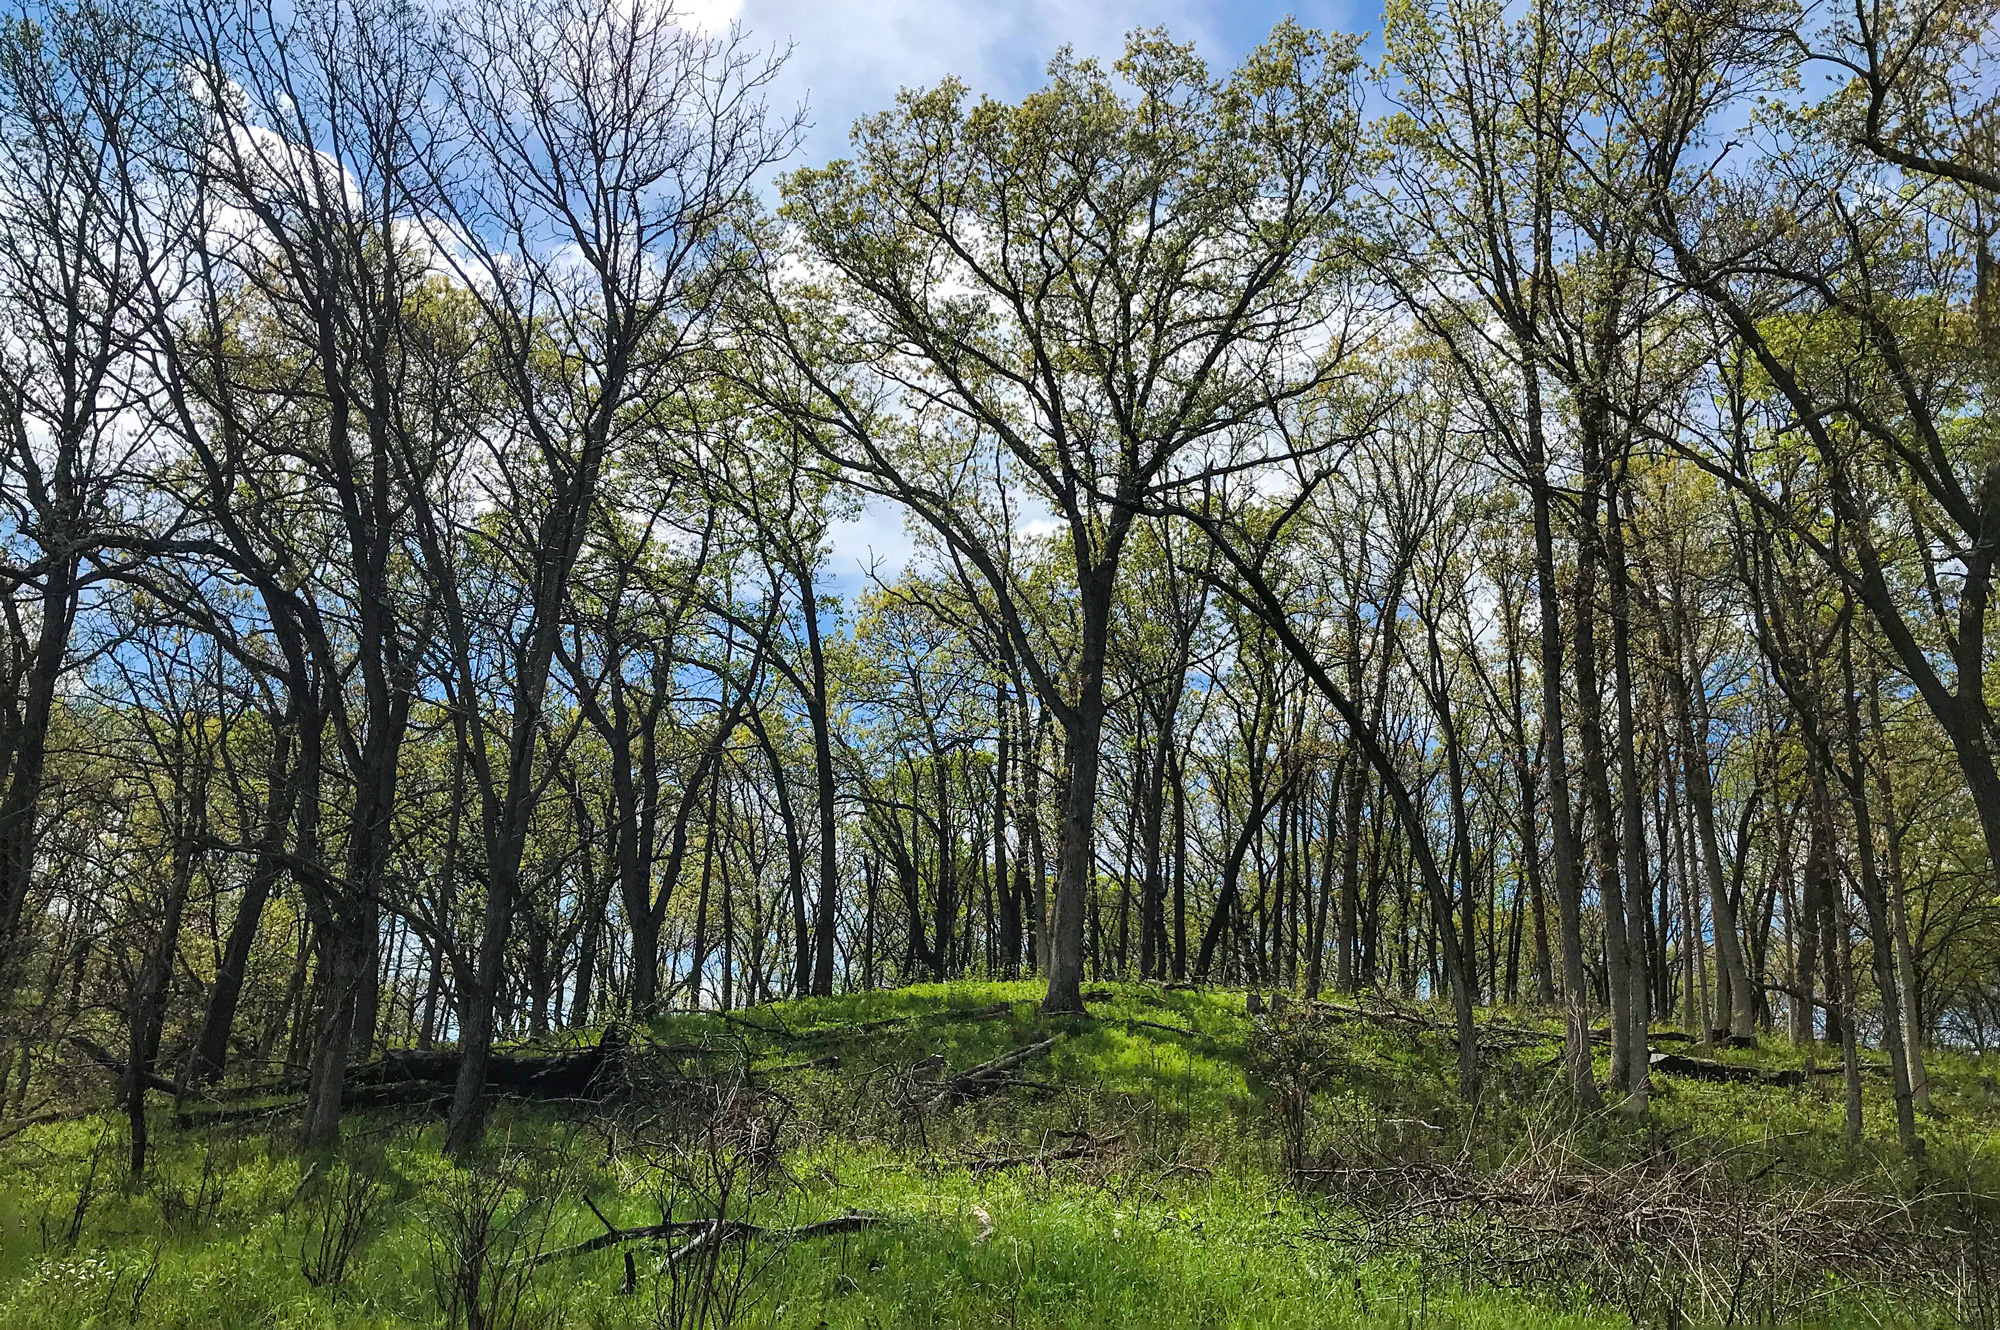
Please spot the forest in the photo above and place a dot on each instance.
(1494, 521)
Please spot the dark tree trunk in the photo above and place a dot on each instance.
(1596, 761)
(1005, 885)
(1083, 736)
(1882, 953)
(211, 1048)
(1568, 866)
(147, 1011)
(1638, 898)
(21, 800)
(1733, 1007)
(826, 903)
(1180, 867)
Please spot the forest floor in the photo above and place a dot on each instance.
(946, 1156)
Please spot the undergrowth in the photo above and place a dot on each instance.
(1167, 1161)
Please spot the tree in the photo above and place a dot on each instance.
(600, 150)
(81, 97)
(1085, 297)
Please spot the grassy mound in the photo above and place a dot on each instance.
(1166, 1161)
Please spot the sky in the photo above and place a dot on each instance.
(849, 58)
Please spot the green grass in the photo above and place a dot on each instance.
(1185, 1218)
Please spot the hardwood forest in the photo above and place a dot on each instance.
(1431, 760)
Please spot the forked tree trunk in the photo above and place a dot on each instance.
(211, 1048)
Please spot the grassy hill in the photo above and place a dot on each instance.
(1167, 1161)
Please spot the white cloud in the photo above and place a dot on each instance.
(874, 538)
(707, 16)
(850, 59)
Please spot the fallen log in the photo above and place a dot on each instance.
(216, 1117)
(829, 1033)
(774, 1031)
(1154, 1025)
(41, 1117)
(394, 1094)
(1083, 1149)
(647, 1046)
(1603, 1036)
(106, 1059)
(708, 1230)
(1836, 1069)
(266, 1090)
(1023, 1083)
(825, 1061)
(415, 1076)
(1707, 1069)
(1493, 1035)
(994, 1165)
(427, 1077)
(984, 1077)
(581, 1074)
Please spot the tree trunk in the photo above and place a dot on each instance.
(1733, 1013)
(1004, 883)
(211, 1049)
(21, 800)
(1874, 900)
(1638, 899)
(827, 901)
(1906, 962)
(1596, 769)
(1083, 732)
(1568, 874)
(342, 967)
(1180, 868)
(1152, 911)
(149, 995)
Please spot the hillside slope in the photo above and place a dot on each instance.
(945, 1156)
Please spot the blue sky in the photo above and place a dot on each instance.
(850, 57)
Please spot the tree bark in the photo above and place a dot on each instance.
(1638, 899)
(1083, 731)
(1596, 768)
(1568, 869)
(827, 902)
(1734, 1014)
(211, 1048)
